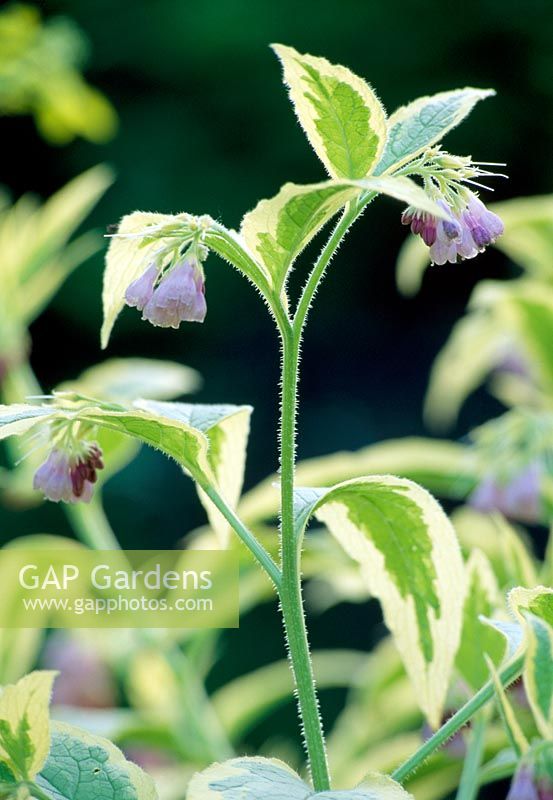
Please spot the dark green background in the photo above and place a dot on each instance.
(206, 126)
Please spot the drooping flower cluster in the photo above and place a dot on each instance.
(69, 474)
(171, 296)
(465, 233)
(514, 461)
(518, 499)
(468, 227)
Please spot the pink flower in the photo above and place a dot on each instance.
(463, 235)
(179, 297)
(69, 478)
(519, 498)
(140, 291)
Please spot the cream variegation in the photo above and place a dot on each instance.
(411, 561)
(126, 260)
(341, 115)
(25, 723)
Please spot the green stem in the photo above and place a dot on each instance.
(469, 784)
(291, 590)
(507, 675)
(247, 537)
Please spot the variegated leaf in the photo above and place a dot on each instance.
(424, 122)
(410, 559)
(126, 260)
(479, 640)
(270, 779)
(339, 112)
(228, 440)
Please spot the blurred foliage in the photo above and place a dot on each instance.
(190, 83)
(39, 75)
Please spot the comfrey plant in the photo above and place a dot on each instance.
(405, 546)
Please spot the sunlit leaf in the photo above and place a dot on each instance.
(85, 767)
(508, 551)
(424, 122)
(339, 112)
(181, 431)
(127, 258)
(130, 378)
(270, 779)
(277, 230)
(410, 558)
(25, 723)
(228, 440)
(479, 640)
(444, 468)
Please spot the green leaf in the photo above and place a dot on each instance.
(85, 767)
(534, 607)
(244, 701)
(538, 672)
(514, 731)
(528, 236)
(475, 345)
(25, 724)
(182, 431)
(424, 122)
(339, 112)
(35, 254)
(270, 779)
(410, 560)
(479, 640)
(231, 247)
(445, 468)
(508, 552)
(277, 230)
(538, 601)
(228, 440)
(530, 311)
(123, 379)
(126, 259)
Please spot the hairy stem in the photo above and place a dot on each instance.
(247, 537)
(291, 590)
(508, 674)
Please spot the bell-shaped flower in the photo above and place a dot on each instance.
(467, 231)
(179, 297)
(534, 778)
(69, 477)
(140, 291)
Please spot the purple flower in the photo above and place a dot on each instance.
(484, 225)
(179, 297)
(534, 777)
(463, 235)
(519, 498)
(140, 291)
(69, 478)
(85, 680)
